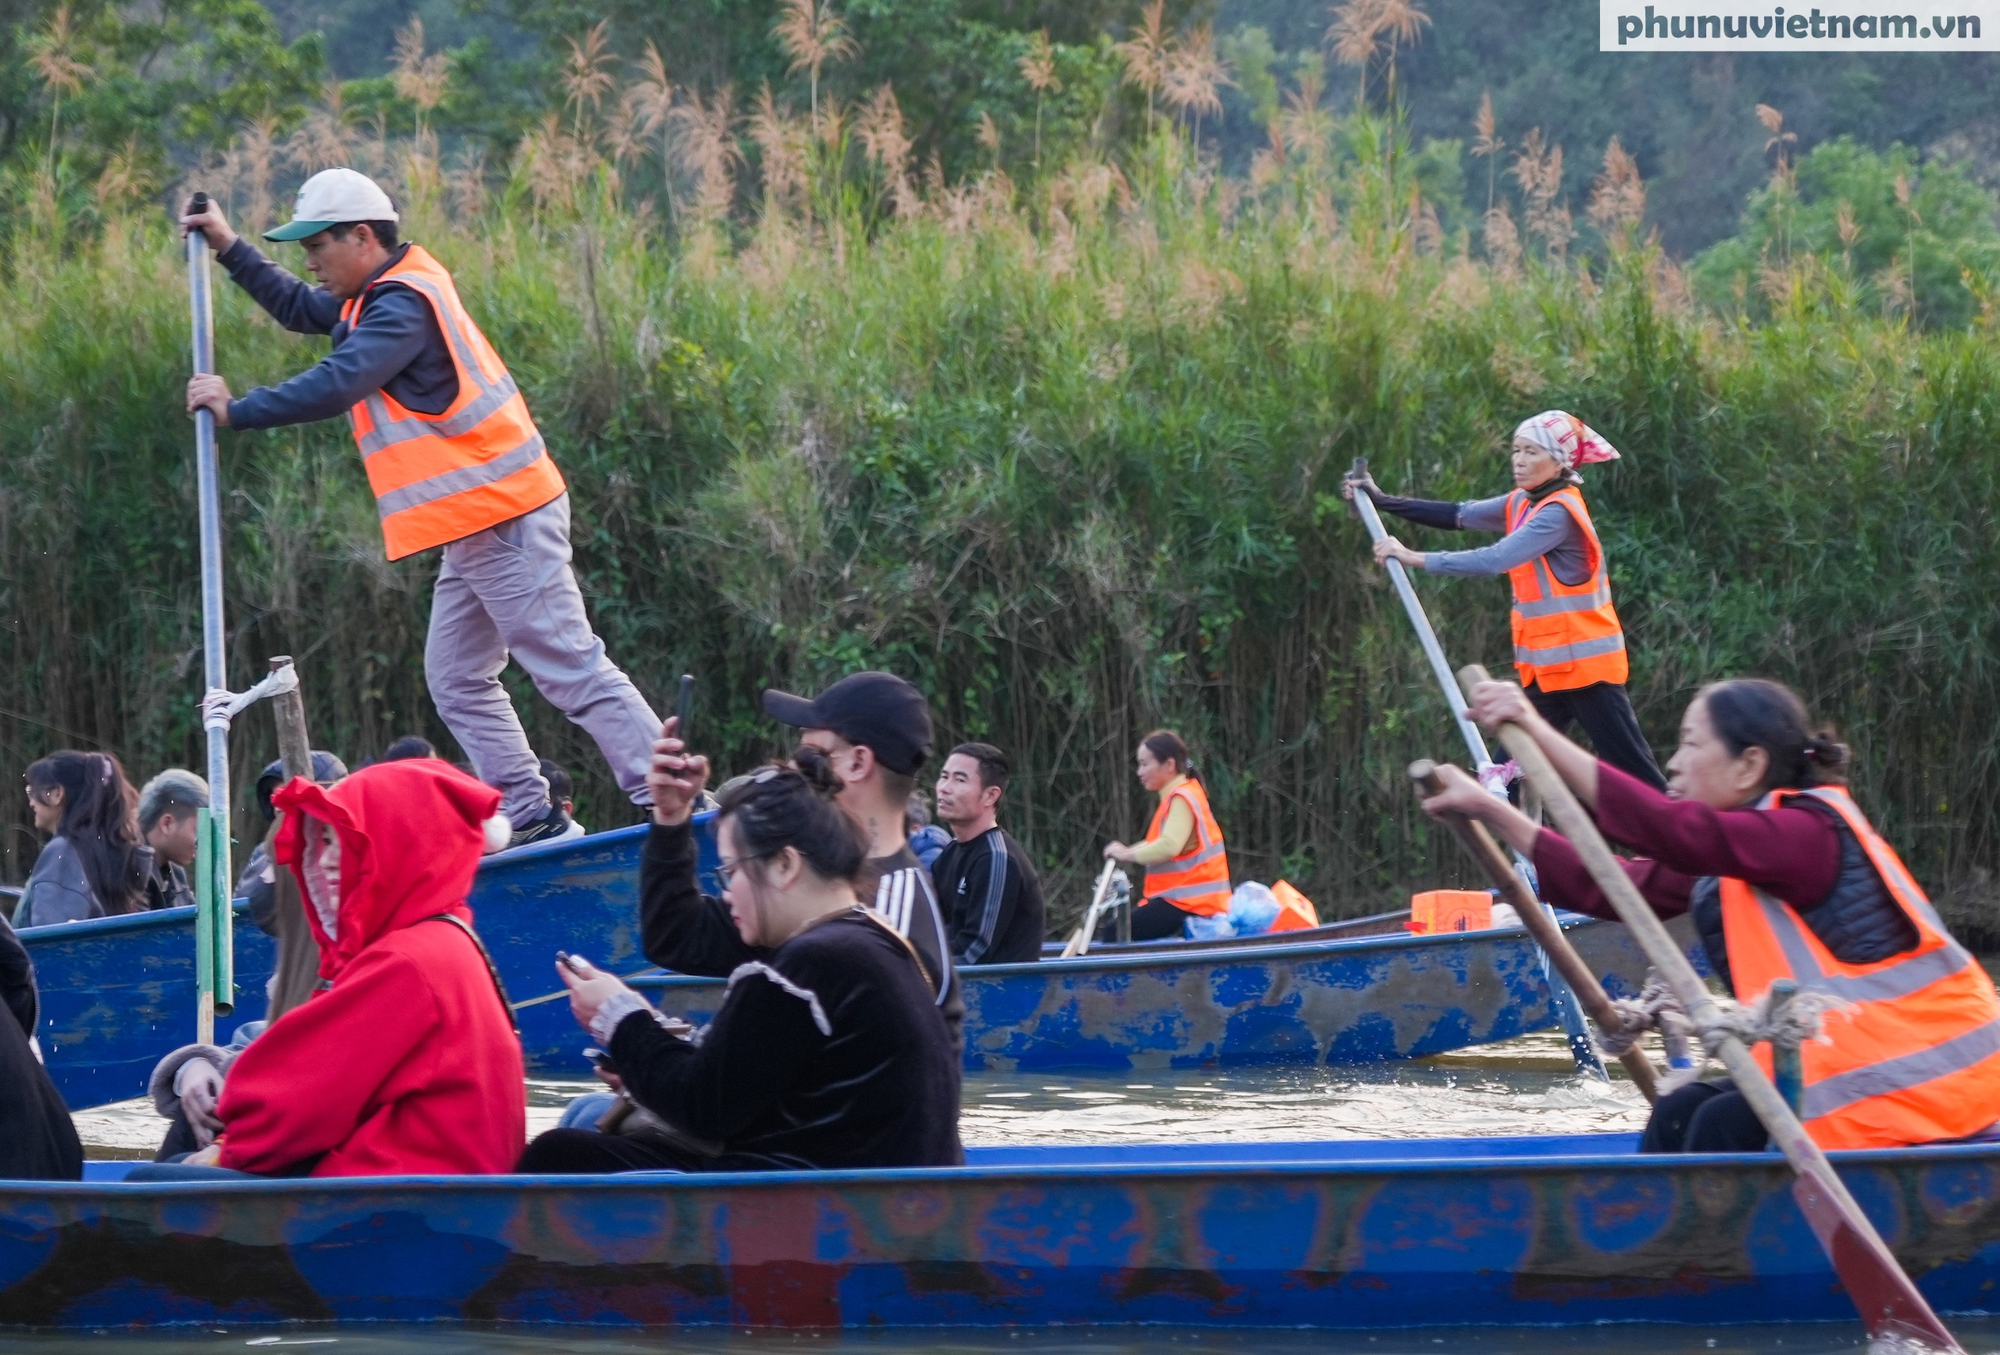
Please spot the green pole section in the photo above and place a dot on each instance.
(204, 927)
(223, 932)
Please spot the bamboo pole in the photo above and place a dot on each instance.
(1581, 1049)
(297, 969)
(1548, 935)
(1889, 1304)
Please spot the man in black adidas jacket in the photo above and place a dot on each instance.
(992, 898)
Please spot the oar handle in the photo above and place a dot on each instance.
(1886, 1299)
(1479, 843)
(1079, 942)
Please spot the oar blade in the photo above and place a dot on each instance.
(1888, 1301)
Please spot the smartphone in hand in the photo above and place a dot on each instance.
(683, 708)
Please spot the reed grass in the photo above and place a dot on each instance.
(1070, 464)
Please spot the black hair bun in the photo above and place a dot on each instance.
(816, 769)
(1826, 752)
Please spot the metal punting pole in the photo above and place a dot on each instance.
(1581, 1047)
(208, 495)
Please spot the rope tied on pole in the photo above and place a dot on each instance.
(219, 706)
(1786, 1022)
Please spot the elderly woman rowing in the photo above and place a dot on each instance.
(1568, 646)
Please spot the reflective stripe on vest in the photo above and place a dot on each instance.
(1565, 635)
(1915, 1056)
(439, 478)
(1198, 880)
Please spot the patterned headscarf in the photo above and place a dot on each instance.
(1568, 439)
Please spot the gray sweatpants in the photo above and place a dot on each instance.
(507, 591)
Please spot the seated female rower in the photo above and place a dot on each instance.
(828, 1051)
(1758, 838)
(1186, 859)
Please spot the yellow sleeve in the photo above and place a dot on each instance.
(1173, 838)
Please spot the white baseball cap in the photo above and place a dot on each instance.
(334, 197)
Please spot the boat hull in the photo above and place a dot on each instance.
(1563, 1231)
(1321, 1002)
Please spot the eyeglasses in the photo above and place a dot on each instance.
(726, 871)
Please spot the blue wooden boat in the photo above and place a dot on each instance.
(1356, 1235)
(119, 992)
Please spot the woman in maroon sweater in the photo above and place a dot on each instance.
(1740, 741)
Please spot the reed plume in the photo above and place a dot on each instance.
(1038, 68)
(53, 53)
(1192, 79)
(586, 75)
(1618, 196)
(1145, 53)
(812, 35)
(420, 79)
(706, 149)
(1486, 141)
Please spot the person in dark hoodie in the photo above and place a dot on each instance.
(38, 1142)
(408, 1062)
(829, 1050)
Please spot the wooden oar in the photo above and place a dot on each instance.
(1589, 991)
(1580, 1047)
(1079, 941)
(1888, 1302)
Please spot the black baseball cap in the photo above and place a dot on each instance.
(327, 769)
(879, 711)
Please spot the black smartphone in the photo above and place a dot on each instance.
(601, 1059)
(683, 707)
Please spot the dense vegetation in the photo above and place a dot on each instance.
(1061, 446)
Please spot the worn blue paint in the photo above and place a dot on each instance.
(1318, 1001)
(1533, 1231)
(119, 992)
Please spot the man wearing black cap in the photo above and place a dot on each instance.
(875, 730)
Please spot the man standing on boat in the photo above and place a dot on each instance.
(455, 462)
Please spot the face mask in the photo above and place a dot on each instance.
(322, 873)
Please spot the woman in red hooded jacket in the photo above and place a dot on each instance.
(406, 1062)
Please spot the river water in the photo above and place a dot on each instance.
(1524, 1086)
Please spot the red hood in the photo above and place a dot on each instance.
(410, 840)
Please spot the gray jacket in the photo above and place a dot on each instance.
(58, 890)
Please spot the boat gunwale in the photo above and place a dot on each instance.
(112, 924)
(1195, 954)
(1629, 1161)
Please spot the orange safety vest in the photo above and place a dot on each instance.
(1916, 1057)
(1565, 635)
(1197, 881)
(439, 478)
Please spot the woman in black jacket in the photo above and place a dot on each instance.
(828, 1051)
